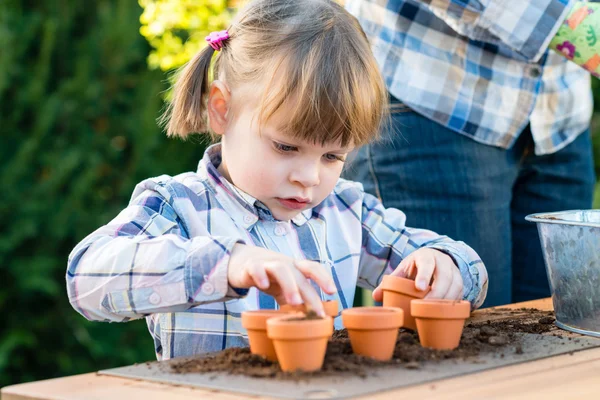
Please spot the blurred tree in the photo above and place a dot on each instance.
(78, 109)
(176, 28)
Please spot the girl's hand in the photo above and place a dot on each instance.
(425, 264)
(278, 275)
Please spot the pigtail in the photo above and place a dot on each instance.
(187, 111)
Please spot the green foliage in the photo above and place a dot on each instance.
(176, 28)
(78, 109)
(591, 37)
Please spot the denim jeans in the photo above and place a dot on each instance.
(479, 194)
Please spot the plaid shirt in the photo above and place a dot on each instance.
(165, 256)
(481, 68)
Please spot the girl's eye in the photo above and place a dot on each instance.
(284, 147)
(333, 157)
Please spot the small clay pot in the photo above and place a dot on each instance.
(255, 323)
(373, 330)
(330, 306)
(300, 343)
(398, 292)
(440, 322)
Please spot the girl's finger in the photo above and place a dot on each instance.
(425, 265)
(311, 298)
(317, 272)
(442, 277)
(259, 276)
(440, 286)
(378, 294)
(283, 274)
(456, 290)
(406, 268)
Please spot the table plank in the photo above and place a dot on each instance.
(101, 387)
(541, 304)
(575, 375)
(546, 378)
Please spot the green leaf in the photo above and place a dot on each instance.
(591, 36)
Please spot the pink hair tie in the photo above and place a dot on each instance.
(215, 39)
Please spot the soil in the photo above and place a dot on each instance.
(497, 335)
(310, 315)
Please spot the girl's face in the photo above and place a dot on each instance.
(286, 175)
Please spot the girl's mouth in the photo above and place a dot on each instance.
(293, 204)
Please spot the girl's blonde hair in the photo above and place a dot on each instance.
(312, 51)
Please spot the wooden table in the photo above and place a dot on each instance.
(559, 377)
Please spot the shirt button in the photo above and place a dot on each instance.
(280, 231)
(207, 289)
(154, 298)
(248, 219)
(535, 72)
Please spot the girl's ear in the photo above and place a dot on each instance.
(219, 101)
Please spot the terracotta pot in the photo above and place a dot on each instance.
(330, 306)
(440, 322)
(255, 323)
(299, 344)
(398, 292)
(373, 330)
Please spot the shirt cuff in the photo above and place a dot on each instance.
(206, 272)
(143, 301)
(469, 271)
(235, 292)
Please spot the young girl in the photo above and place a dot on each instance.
(265, 220)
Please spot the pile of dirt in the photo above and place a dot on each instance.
(497, 335)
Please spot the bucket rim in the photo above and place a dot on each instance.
(555, 218)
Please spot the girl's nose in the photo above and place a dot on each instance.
(306, 174)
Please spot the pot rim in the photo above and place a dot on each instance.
(257, 319)
(331, 304)
(403, 285)
(440, 309)
(373, 318)
(284, 329)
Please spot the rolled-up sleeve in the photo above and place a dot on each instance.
(144, 262)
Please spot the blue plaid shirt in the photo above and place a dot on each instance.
(165, 256)
(481, 68)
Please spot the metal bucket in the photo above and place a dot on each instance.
(571, 246)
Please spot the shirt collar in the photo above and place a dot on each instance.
(242, 207)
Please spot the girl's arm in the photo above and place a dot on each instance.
(387, 241)
(144, 262)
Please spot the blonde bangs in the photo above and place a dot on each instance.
(330, 90)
